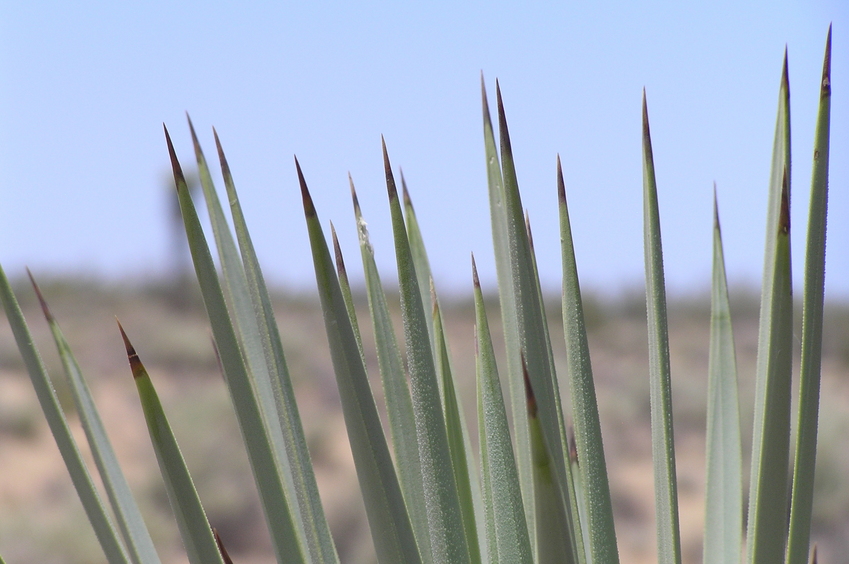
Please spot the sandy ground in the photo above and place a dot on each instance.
(42, 521)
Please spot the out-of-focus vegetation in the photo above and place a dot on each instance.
(42, 520)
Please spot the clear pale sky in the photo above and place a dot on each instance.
(86, 86)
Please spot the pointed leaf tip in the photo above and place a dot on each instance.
(135, 363)
(715, 208)
(354, 198)
(561, 186)
(825, 89)
(309, 208)
(225, 166)
(646, 131)
(785, 75)
(47, 314)
(484, 100)
(221, 549)
(195, 141)
(407, 201)
(502, 116)
(337, 250)
(390, 178)
(179, 179)
(475, 280)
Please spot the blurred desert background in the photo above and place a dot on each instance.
(42, 520)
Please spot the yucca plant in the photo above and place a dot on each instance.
(538, 489)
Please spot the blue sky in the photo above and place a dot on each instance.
(86, 87)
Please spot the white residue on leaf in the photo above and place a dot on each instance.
(362, 229)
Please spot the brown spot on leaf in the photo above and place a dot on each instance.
(529, 391)
(784, 215)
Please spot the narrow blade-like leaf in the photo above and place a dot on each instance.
(509, 315)
(663, 447)
(553, 539)
(458, 440)
(297, 469)
(507, 531)
(286, 532)
(195, 529)
(812, 313)
(768, 496)
(576, 522)
(533, 335)
(345, 286)
(598, 526)
(458, 434)
(129, 519)
(80, 476)
(399, 405)
(390, 524)
(724, 491)
(448, 541)
(420, 260)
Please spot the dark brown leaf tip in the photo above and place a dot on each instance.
(407, 201)
(221, 549)
(785, 74)
(502, 121)
(561, 186)
(47, 315)
(309, 208)
(784, 214)
(475, 280)
(715, 208)
(337, 251)
(179, 179)
(387, 167)
(646, 130)
(825, 89)
(484, 100)
(195, 141)
(225, 168)
(529, 391)
(357, 211)
(135, 364)
(814, 551)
